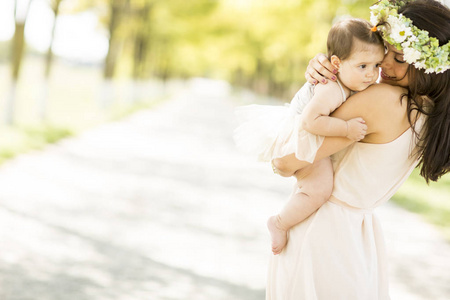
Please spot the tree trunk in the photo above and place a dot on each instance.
(49, 57)
(141, 48)
(9, 105)
(18, 46)
(43, 97)
(106, 93)
(114, 47)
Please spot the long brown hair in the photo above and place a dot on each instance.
(434, 139)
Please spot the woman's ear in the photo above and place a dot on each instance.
(335, 61)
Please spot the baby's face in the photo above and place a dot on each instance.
(362, 68)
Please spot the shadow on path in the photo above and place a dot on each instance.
(161, 206)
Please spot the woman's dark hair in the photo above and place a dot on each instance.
(434, 138)
(343, 33)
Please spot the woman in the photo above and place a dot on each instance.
(338, 252)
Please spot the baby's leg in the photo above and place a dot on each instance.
(286, 166)
(315, 185)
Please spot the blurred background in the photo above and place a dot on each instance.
(62, 59)
(69, 66)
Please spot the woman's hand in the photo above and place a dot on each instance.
(320, 69)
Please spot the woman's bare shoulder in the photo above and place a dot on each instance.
(382, 98)
(383, 93)
(379, 105)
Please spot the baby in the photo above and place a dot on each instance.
(270, 132)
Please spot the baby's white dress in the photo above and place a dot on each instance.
(272, 131)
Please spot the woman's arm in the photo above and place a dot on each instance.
(320, 69)
(380, 107)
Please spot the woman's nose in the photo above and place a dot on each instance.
(387, 60)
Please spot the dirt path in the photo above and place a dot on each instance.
(162, 206)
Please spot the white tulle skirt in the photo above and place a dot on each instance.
(273, 131)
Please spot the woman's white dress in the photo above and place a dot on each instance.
(271, 131)
(338, 253)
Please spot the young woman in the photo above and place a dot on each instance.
(338, 252)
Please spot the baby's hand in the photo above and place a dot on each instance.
(356, 129)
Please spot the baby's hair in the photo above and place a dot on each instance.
(342, 34)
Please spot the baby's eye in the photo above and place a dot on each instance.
(377, 65)
(363, 66)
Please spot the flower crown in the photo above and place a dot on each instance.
(418, 48)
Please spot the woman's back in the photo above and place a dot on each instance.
(367, 175)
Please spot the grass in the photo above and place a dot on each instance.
(23, 139)
(74, 104)
(432, 201)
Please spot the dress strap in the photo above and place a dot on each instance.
(344, 96)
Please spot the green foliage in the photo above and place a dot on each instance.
(23, 139)
(431, 202)
(264, 45)
(47, 133)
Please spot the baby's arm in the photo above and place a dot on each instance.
(317, 120)
(381, 114)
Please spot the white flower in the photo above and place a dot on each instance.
(429, 71)
(406, 44)
(420, 65)
(400, 32)
(393, 20)
(413, 38)
(442, 69)
(410, 55)
(373, 18)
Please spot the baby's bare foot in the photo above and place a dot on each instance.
(278, 236)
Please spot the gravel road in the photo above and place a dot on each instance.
(162, 206)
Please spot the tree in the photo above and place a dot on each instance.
(21, 8)
(262, 45)
(141, 31)
(113, 20)
(55, 7)
(265, 45)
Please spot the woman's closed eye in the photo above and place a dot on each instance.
(399, 60)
